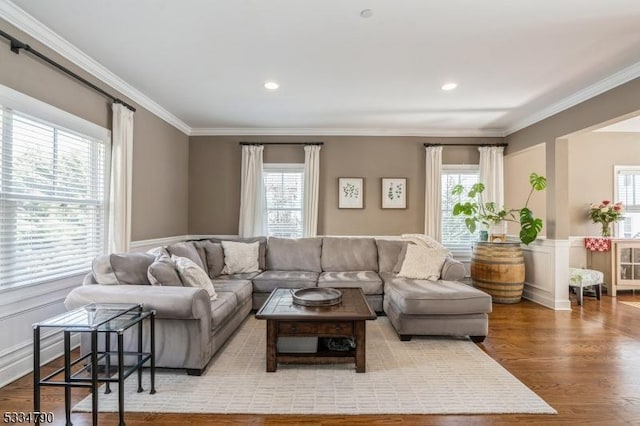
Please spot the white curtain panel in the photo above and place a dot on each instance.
(311, 190)
(119, 236)
(492, 174)
(433, 193)
(252, 221)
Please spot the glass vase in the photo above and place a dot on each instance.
(606, 230)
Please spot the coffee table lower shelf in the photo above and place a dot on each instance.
(320, 357)
(322, 329)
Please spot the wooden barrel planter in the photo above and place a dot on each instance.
(498, 269)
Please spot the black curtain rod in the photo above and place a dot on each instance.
(16, 45)
(463, 144)
(281, 143)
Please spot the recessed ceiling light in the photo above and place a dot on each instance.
(449, 86)
(271, 85)
(366, 13)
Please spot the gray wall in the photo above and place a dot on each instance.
(214, 179)
(160, 154)
(555, 131)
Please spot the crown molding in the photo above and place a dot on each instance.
(221, 131)
(623, 76)
(36, 29)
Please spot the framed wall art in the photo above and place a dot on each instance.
(394, 193)
(350, 193)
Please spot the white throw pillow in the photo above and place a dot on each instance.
(240, 258)
(193, 276)
(422, 263)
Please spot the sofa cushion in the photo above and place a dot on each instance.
(192, 275)
(349, 254)
(269, 280)
(388, 253)
(163, 272)
(222, 308)
(369, 281)
(261, 252)
(212, 255)
(186, 249)
(242, 289)
(240, 258)
(131, 267)
(288, 254)
(246, 276)
(102, 270)
(422, 263)
(423, 297)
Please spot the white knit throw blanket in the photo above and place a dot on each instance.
(424, 240)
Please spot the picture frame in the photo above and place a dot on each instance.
(350, 193)
(394, 193)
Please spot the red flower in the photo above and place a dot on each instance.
(617, 208)
(606, 202)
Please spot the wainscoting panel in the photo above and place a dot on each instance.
(547, 273)
(20, 308)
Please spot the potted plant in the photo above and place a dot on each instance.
(476, 211)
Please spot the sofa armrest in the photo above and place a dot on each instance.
(169, 302)
(452, 270)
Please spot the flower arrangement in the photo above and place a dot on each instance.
(605, 214)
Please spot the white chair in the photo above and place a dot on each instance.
(583, 278)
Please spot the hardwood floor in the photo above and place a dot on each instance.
(585, 363)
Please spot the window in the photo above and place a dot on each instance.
(455, 234)
(628, 191)
(52, 196)
(284, 189)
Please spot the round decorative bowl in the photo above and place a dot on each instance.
(316, 296)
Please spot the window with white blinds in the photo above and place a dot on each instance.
(628, 191)
(455, 234)
(284, 192)
(52, 199)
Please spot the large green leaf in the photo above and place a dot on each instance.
(537, 182)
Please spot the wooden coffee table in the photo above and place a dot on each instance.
(346, 319)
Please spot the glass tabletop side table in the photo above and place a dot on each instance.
(97, 319)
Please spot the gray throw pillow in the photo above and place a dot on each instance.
(163, 272)
(102, 270)
(213, 255)
(131, 267)
(186, 249)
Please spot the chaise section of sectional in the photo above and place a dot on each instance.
(449, 308)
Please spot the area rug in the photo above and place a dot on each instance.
(634, 304)
(422, 376)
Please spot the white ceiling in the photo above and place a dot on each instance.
(205, 61)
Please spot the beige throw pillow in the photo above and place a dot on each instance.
(240, 258)
(423, 263)
(193, 276)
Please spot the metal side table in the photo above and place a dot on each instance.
(97, 319)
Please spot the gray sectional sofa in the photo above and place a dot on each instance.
(190, 327)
